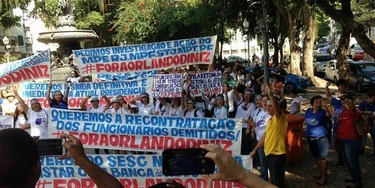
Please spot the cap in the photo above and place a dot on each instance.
(94, 99)
(115, 100)
(144, 95)
(9, 95)
(259, 97)
(32, 101)
(133, 106)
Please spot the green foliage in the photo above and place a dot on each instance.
(47, 11)
(364, 12)
(322, 24)
(6, 18)
(92, 20)
(3, 60)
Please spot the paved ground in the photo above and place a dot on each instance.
(300, 175)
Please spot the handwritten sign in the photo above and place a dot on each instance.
(124, 76)
(146, 57)
(208, 83)
(167, 85)
(27, 69)
(145, 133)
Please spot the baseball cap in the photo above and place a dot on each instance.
(115, 100)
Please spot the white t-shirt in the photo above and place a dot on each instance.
(200, 105)
(244, 111)
(260, 118)
(91, 109)
(119, 111)
(164, 110)
(145, 110)
(9, 107)
(179, 112)
(73, 80)
(295, 102)
(21, 121)
(191, 113)
(220, 112)
(38, 123)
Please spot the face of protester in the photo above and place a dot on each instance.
(175, 101)
(225, 87)
(121, 100)
(20, 108)
(270, 109)
(346, 104)
(95, 104)
(247, 97)
(370, 99)
(35, 105)
(264, 103)
(259, 102)
(220, 102)
(317, 104)
(227, 76)
(190, 105)
(341, 88)
(248, 76)
(116, 105)
(144, 100)
(199, 98)
(57, 96)
(10, 98)
(3, 93)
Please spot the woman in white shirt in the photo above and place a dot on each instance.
(21, 121)
(116, 108)
(296, 102)
(74, 77)
(144, 105)
(220, 110)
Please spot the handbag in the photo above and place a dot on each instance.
(362, 125)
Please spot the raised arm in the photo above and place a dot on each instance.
(48, 95)
(182, 96)
(97, 174)
(83, 103)
(328, 93)
(107, 101)
(274, 102)
(66, 97)
(21, 101)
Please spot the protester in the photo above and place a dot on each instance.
(249, 82)
(245, 108)
(227, 92)
(230, 169)
(95, 107)
(178, 105)
(38, 117)
(296, 104)
(220, 108)
(20, 165)
(273, 141)
(258, 122)
(227, 78)
(74, 77)
(9, 104)
(58, 100)
(190, 110)
(367, 109)
(336, 102)
(115, 107)
(143, 103)
(163, 108)
(21, 121)
(350, 141)
(201, 104)
(317, 131)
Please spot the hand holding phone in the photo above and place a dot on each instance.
(186, 162)
(51, 147)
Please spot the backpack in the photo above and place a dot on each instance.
(195, 113)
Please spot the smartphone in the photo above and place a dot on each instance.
(190, 161)
(51, 147)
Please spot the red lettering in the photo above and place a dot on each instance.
(93, 139)
(87, 183)
(99, 67)
(129, 183)
(145, 144)
(115, 67)
(206, 57)
(103, 141)
(113, 140)
(138, 65)
(58, 182)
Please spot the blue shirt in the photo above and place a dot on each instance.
(316, 123)
(59, 105)
(336, 112)
(364, 106)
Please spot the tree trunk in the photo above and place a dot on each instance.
(275, 58)
(308, 42)
(359, 33)
(342, 51)
(295, 52)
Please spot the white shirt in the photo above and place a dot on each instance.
(260, 119)
(38, 123)
(164, 110)
(145, 110)
(179, 112)
(119, 111)
(221, 112)
(295, 102)
(21, 121)
(9, 107)
(191, 113)
(73, 80)
(99, 109)
(244, 111)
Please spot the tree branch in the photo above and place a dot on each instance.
(330, 10)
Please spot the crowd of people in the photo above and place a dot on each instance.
(261, 106)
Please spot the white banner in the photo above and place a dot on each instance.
(208, 83)
(167, 86)
(6, 122)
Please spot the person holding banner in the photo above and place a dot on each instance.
(58, 100)
(143, 103)
(38, 117)
(163, 108)
(22, 169)
(21, 121)
(95, 107)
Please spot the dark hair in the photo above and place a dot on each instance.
(75, 72)
(293, 90)
(19, 154)
(341, 82)
(17, 113)
(370, 93)
(54, 102)
(314, 98)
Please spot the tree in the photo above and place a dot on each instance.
(7, 19)
(322, 24)
(348, 23)
(309, 30)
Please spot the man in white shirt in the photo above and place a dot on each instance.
(163, 107)
(191, 111)
(95, 107)
(38, 117)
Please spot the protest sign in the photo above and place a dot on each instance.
(144, 133)
(6, 122)
(208, 83)
(145, 57)
(167, 86)
(124, 76)
(27, 69)
(136, 171)
(78, 91)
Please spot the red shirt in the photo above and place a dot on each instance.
(346, 129)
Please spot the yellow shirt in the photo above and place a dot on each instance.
(276, 130)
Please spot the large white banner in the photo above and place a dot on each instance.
(146, 57)
(27, 69)
(133, 171)
(145, 133)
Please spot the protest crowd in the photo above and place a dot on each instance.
(215, 93)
